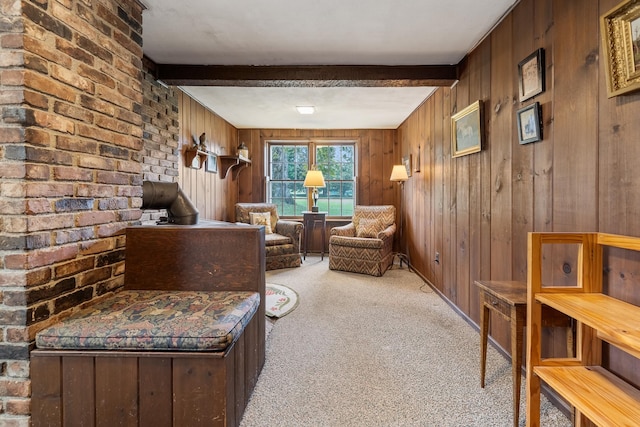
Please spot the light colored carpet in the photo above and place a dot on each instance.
(366, 351)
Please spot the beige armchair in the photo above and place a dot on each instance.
(366, 244)
(282, 238)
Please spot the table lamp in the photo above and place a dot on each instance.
(314, 179)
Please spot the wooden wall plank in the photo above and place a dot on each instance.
(155, 392)
(116, 391)
(78, 391)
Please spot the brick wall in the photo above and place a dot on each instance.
(161, 131)
(70, 166)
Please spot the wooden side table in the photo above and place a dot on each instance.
(509, 299)
(310, 219)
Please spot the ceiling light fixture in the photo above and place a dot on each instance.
(306, 109)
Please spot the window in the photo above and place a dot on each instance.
(288, 165)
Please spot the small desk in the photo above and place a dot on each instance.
(310, 219)
(509, 299)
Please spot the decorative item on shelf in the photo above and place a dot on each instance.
(314, 179)
(399, 174)
(202, 146)
(243, 151)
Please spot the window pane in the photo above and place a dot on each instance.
(337, 163)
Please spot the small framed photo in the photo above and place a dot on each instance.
(531, 75)
(212, 163)
(529, 124)
(406, 161)
(467, 130)
(620, 30)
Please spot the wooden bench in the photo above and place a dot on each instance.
(172, 382)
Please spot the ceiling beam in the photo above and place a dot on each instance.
(307, 75)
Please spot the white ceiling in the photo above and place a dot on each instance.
(313, 32)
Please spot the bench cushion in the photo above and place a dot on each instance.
(156, 320)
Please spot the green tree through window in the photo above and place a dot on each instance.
(288, 165)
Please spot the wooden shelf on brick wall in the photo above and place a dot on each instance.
(232, 163)
(195, 158)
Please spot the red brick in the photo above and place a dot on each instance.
(133, 142)
(12, 170)
(130, 215)
(48, 189)
(72, 174)
(94, 190)
(96, 247)
(39, 137)
(15, 224)
(93, 218)
(41, 257)
(73, 267)
(73, 111)
(94, 132)
(47, 85)
(49, 222)
(12, 77)
(13, 189)
(18, 368)
(11, 58)
(11, 96)
(39, 172)
(70, 143)
(38, 206)
(97, 105)
(17, 335)
(15, 388)
(93, 162)
(36, 99)
(12, 41)
(95, 276)
(130, 167)
(96, 76)
(38, 277)
(12, 278)
(11, 134)
(18, 407)
(109, 230)
(54, 121)
(112, 124)
(114, 97)
(114, 178)
(74, 52)
(71, 78)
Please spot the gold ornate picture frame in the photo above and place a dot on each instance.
(467, 130)
(620, 29)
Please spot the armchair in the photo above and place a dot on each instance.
(365, 245)
(282, 238)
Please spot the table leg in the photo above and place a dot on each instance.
(323, 230)
(517, 330)
(484, 334)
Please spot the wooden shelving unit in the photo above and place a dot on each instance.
(232, 163)
(597, 395)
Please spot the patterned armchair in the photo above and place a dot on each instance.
(282, 238)
(366, 244)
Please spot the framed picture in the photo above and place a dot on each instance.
(620, 29)
(406, 161)
(212, 163)
(531, 75)
(529, 124)
(467, 130)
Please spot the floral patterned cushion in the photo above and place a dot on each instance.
(156, 320)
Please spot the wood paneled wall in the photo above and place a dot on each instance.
(210, 194)
(476, 210)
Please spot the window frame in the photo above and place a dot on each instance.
(312, 144)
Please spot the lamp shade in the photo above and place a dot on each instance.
(314, 178)
(399, 173)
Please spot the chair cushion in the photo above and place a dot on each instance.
(261, 218)
(276, 239)
(156, 320)
(243, 210)
(368, 227)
